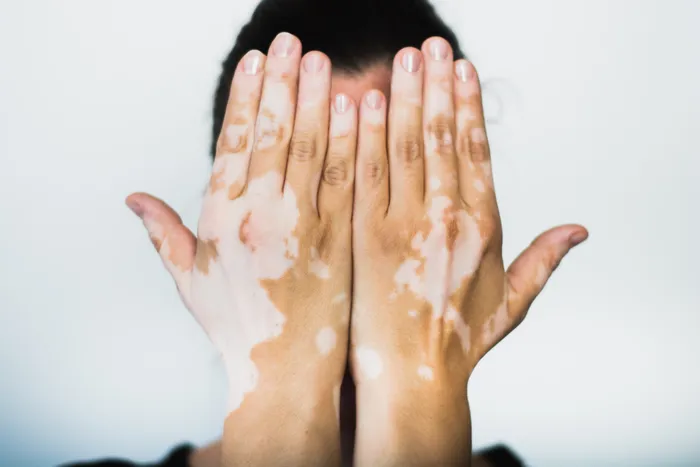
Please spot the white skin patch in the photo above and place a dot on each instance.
(466, 113)
(325, 340)
(292, 244)
(479, 186)
(434, 183)
(425, 372)
(496, 325)
(230, 167)
(235, 135)
(441, 276)
(342, 297)
(461, 328)
(182, 279)
(486, 168)
(407, 276)
(317, 266)
(413, 313)
(229, 302)
(369, 362)
(266, 129)
(417, 241)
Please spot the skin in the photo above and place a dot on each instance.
(430, 292)
(268, 275)
(270, 278)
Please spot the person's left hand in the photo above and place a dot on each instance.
(431, 294)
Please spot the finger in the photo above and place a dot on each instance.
(336, 191)
(406, 177)
(528, 274)
(173, 241)
(473, 154)
(438, 120)
(371, 174)
(235, 141)
(310, 136)
(273, 127)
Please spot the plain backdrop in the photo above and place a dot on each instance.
(595, 119)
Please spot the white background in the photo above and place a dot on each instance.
(601, 124)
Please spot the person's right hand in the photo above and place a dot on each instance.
(268, 276)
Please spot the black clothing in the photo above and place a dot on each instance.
(498, 456)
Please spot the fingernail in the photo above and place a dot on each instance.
(341, 103)
(283, 45)
(465, 71)
(313, 63)
(411, 61)
(374, 100)
(251, 63)
(577, 238)
(135, 207)
(438, 49)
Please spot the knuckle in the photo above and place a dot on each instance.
(336, 172)
(268, 132)
(440, 132)
(462, 143)
(373, 171)
(478, 152)
(478, 146)
(408, 148)
(303, 146)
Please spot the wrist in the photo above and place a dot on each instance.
(413, 423)
(287, 416)
(281, 427)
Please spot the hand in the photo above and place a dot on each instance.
(268, 276)
(430, 293)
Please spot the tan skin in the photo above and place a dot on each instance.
(430, 292)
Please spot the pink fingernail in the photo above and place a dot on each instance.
(410, 61)
(577, 238)
(438, 49)
(465, 71)
(313, 63)
(341, 103)
(283, 45)
(251, 63)
(135, 207)
(374, 100)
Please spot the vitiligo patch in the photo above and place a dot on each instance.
(325, 340)
(369, 362)
(317, 267)
(425, 372)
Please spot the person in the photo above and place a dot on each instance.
(364, 187)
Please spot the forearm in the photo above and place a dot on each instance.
(283, 427)
(416, 428)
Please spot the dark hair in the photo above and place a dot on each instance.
(355, 34)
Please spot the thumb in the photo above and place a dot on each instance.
(174, 242)
(530, 271)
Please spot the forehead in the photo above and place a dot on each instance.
(356, 85)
